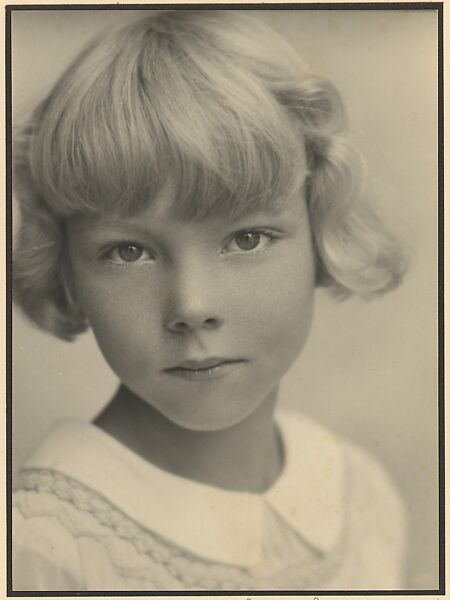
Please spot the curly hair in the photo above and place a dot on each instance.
(220, 102)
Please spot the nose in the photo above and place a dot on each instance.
(192, 302)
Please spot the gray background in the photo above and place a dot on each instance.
(369, 370)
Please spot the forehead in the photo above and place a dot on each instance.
(170, 205)
(162, 214)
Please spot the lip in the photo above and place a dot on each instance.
(200, 370)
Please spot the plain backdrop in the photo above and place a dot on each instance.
(369, 371)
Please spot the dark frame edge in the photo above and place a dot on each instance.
(439, 7)
(8, 237)
(238, 6)
(441, 300)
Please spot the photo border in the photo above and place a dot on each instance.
(436, 6)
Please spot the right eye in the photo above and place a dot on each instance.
(126, 253)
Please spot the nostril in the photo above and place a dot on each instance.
(192, 325)
(210, 323)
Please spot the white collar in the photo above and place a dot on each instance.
(309, 495)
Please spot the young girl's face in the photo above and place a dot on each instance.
(200, 319)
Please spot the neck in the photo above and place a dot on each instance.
(245, 457)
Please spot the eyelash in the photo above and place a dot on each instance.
(106, 253)
(268, 234)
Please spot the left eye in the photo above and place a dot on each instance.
(127, 252)
(247, 241)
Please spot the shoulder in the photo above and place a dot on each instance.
(373, 489)
(45, 550)
(373, 514)
(64, 477)
(377, 520)
(68, 442)
(366, 479)
(79, 510)
(49, 511)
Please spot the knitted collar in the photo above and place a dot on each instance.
(216, 524)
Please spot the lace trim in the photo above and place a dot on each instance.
(194, 572)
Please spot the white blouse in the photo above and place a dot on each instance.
(89, 514)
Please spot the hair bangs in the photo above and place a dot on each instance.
(148, 111)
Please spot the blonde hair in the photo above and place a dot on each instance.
(220, 102)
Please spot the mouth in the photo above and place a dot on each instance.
(211, 368)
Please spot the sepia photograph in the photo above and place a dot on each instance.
(225, 274)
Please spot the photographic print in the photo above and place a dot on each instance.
(225, 299)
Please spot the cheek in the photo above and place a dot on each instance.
(289, 310)
(280, 315)
(122, 324)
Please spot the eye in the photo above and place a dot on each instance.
(248, 241)
(126, 253)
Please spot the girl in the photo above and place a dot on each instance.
(184, 188)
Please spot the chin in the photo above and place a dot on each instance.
(201, 420)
